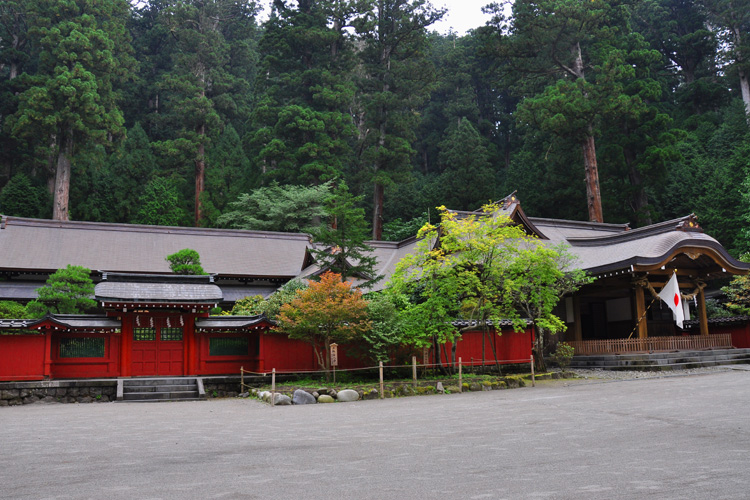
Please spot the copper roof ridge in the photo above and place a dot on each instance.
(144, 228)
(579, 223)
(665, 227)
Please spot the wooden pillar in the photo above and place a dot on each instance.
(640, 311)
(702, 316)
(47, 354)
(577, 329)
(126, 344)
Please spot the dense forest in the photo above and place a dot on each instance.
(182, 112)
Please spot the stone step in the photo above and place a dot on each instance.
(160, 388)
(158, 381)
(663, 360)
(164, 396)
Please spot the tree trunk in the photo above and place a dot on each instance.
(742, 72)
(62, 178)
(200, 174)
(593, 194)
(377, 212)
(539, 364)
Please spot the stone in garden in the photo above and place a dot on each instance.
(440, 388)
(371, 394)
(347, 395)
(282, 400)
(301, 397)
(265, 396)
(332, 393)
(325, 398)
(244, 395)
(323, 390)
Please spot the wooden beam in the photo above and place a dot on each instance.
(702, 317)
(640, 309)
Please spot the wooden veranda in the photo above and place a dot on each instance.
(651, 344)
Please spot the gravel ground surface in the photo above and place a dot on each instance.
(597, 373)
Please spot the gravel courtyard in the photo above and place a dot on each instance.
(665, 437)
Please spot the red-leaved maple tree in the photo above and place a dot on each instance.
(325, 312)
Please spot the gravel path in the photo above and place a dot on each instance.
(597, 373)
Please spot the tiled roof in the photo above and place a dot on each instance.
(46, 245)
(230, 322)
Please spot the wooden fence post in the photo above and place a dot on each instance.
(273, 387)
(460, 376)
(381, 380)
(242, 379)
(533, 380)
(414, 369)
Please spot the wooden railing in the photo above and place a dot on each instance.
(614, 346)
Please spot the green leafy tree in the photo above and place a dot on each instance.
(278, 208)
(386, 334)
(186, 262)
(67, 291)
(327, 311)
(285, 294)
(72, 99)
(341, 243)
(535, 281)
(457, 269)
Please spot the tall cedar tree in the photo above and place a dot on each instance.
(396, 81)
(71, 101)
(201, 92)
(327, 311)
(583, 42)
(341, 242)
(304, 128)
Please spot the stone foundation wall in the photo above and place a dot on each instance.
(57, 391)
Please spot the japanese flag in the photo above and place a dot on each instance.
(670, 294)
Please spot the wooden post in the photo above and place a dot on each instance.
(242, 379)
(640, 310)
(577, 329)
(702, 317)
(533, 379)
(460, 377)
(381, 380)
(414, 369)
(273, 387)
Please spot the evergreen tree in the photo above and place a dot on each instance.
(304, 129)
(201, 93)
(67, 291)
(397, 79)
(130, 168)
(160, 205)
(20, 198)
(71, 100)
(468, 180)
(342, 247)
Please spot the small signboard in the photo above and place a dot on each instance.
(334, 355)
(425, 355)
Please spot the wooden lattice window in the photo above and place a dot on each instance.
(171, 333)
(82, 347)
(141, 334)
(228, 346)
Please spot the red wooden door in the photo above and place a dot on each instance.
(157, 349)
